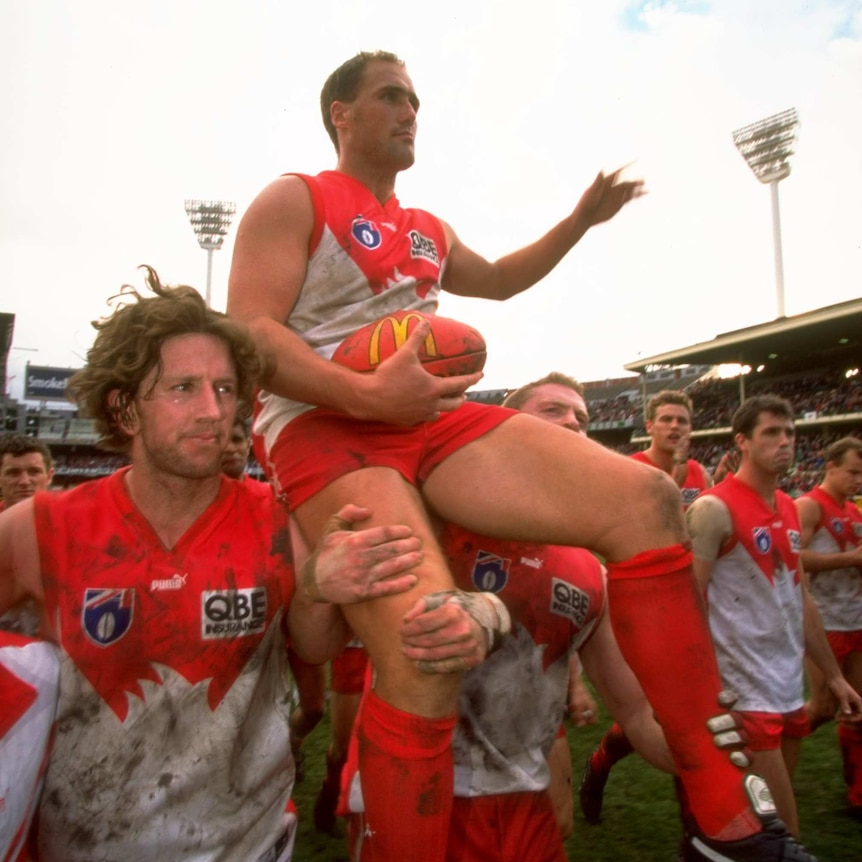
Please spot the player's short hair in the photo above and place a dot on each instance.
(129, 344)
(668, 396)
(243, 424)
(17, 445)
(748, 413)
(838, 450)
(343, 84)
(519, 397)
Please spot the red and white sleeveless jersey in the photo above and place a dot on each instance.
(755, 600)
(838, 592)
(512, 704)
(172, 736)
(29, 677)
(366, 260)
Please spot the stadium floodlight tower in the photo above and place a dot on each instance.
(210, 222)
(767, 146)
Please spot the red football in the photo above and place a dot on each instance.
(451, 347)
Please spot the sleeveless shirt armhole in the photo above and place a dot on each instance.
(319, 207)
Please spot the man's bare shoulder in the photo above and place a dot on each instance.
(289, 192)
(709, 525)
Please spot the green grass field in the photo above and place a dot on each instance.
(640, 814)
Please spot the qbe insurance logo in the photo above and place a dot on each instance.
(233, 613)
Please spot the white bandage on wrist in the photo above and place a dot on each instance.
(487, 609)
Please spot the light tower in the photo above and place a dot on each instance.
(766, 146)
(210, 222)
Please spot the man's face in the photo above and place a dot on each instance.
(181, 428)
(236, 454)
(846, 478)
(379, 125)
(772, 445)
(21, 476)
(672, 424)
(559, 405)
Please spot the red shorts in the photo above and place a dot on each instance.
(765, 729)
(348, 671)
(321, 445)
(510, 827)
(843, 643)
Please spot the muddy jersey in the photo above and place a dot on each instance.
(512, 704)
(29, 671)
(172, 725)
(696, 480)
(755, 600)
(366, 260)
(838, 592)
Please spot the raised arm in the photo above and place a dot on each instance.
(267, 272)
(469, 274)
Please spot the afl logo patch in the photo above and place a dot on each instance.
(107, 614)
(837, 526)
(365, 232)
(490, 572)
(762, 539)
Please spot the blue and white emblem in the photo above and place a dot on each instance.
(762, 539)
(837, 526)
(490, 572)
(107, 614)
(365, 232)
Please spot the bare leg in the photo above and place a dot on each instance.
(527, 480)
(405, 727)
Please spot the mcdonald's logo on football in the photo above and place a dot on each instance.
(450, 347)
(399, 326)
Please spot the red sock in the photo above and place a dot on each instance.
(405, 764)
(850, 740)
(614, 747)
(659, 619)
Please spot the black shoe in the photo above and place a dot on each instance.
(591, 793)
(772, 844)
(324, 808)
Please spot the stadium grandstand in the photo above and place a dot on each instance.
(812, 359)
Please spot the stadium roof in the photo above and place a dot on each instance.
(825, 336)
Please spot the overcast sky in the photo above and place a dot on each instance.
(114, 112)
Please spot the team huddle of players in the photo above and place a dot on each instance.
(152, 711)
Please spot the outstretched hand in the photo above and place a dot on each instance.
(352, 565)
(607, 196)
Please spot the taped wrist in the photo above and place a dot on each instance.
(486, 608)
